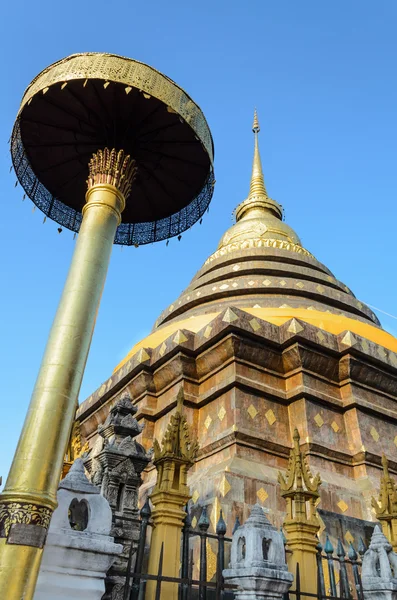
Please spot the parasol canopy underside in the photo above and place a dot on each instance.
(61, 126)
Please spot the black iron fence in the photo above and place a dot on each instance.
(338, 575)
(189, 588)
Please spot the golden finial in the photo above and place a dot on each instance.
(257, 185)
(255, 125)
(386, 505)
(257, 197)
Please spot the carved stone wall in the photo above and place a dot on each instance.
(115, 463)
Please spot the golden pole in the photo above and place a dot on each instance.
(29, 497)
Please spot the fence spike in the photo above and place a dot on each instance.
(340, 551)
(362, 548)
(328, 548)
(221, 525)
(203, 522)
(351, 553)
(187, 520)
(237, 524)
(146, 511)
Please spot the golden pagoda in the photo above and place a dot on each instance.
(265, 341)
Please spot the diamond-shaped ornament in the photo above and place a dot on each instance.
(221, 413)
(255, 324)
(207, 332)
(342, 505)
(224, 486)
(195, 496)
(252, 411)
(270, 416)
(319, 420)
(207, 422)
(374, 434)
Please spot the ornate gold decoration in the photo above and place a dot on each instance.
(131, 73)
(28, 514)
(141, 356)
(114, 168)
(75, 448)
(342, 505)
(335, 426)
(221, 413)
(348, 339)
(270, 416)
(319, 420)
(349, 537)
(255, 324)
(207, 422)
(215, 513)
(211, 561)
(374, 434)
(170, 494)
(178, 445)
(299, 487)
(207, 331)
(258, 243)
(179, 337)
(251, 410)
(224, 486)
(229, 316)
(386, 505)
(258, 196)
(295, 327)
(195, 496)
(262, 495)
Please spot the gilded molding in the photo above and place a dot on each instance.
(28, 514)
(258, 243)
(131, 73)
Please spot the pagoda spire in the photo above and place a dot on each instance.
(257, 184)
(258, 198)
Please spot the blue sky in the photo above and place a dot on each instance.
(322, 75)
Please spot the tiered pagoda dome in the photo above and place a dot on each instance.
(261, 267)
(264, 341)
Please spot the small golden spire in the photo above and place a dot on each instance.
(257, 197)
(255, 125)
(257, 185)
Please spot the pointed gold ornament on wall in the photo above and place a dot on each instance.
(172, 458)
(386, 505)
(301, 525)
